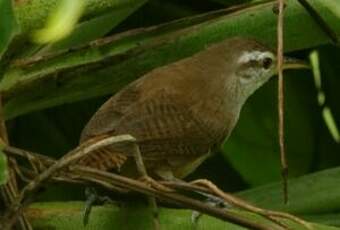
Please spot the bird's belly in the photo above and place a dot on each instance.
(188, 166)
(166, 169)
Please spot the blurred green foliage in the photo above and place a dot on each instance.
(8, 25)
(8, 29)
(3, 168)
(60, 23)
(51, 90)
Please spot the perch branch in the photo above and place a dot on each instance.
(67, 159)
(181, 200)
(112, 181)
(244, 205)
(10, 190)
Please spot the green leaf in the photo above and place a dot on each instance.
(8, 25)
(69, 215)
(34, 13)
(93, 28)
(60, 22)
(95, 71)
(332, 6)
(332, 219)
(310, 194)
(8, 28)
(3, 168)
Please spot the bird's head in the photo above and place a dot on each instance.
(247, 65)
(251, 63)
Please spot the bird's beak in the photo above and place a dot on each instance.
(293, 63)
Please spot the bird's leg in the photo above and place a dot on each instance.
(91, 198)
(151, 200)
(210, 200)
(143, 174)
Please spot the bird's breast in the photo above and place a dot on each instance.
(218, 115)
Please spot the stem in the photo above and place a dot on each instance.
(283, 157)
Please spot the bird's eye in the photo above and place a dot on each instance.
(267, 62)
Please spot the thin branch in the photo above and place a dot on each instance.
(72, 156)
(67, 159)
(112, 182)
(176, 198)
(281, 98)
(10, 190)
(244, 205)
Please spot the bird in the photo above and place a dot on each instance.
(181, 112)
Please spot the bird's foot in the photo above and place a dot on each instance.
(154, 184)
(210, 200)
(92, 198)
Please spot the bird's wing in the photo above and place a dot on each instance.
(164, 125)
(104, 123)
(105, 120)
(160, 122)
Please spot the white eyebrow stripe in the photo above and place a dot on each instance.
(254, 55)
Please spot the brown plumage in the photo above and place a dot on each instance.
(178, 112)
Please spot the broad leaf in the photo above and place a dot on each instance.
(105, 68)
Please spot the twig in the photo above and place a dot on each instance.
(74, 155)
(244, 205)
(198, 185)
(283, 157)
(10, 190)
(112, 181)
(176, 198)
(70, 157)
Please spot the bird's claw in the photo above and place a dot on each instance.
(211, 200)
(91, 198)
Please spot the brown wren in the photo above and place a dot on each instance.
(179, 112)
